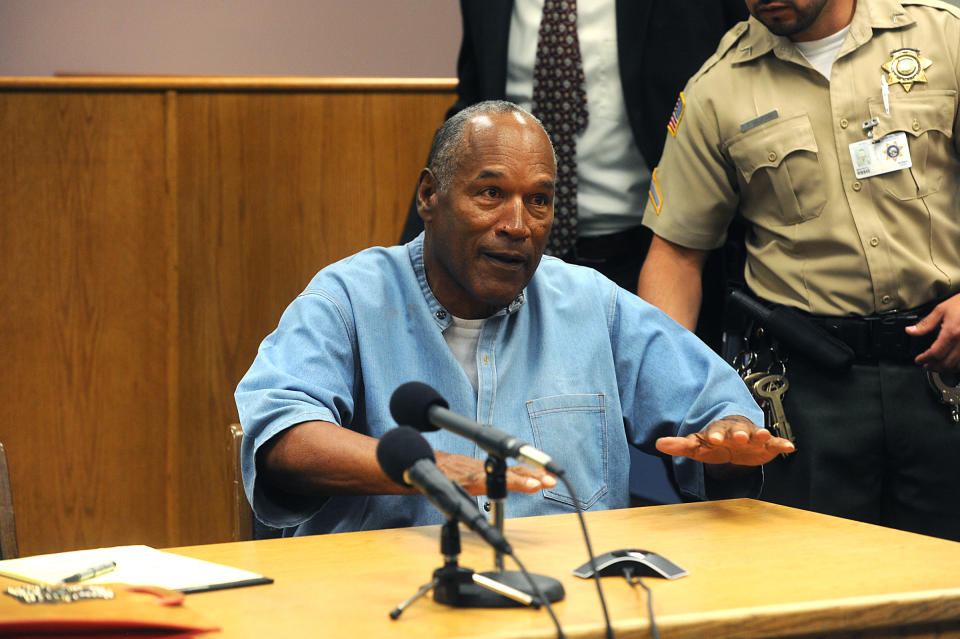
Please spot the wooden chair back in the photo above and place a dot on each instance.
(8, 524)
(242, 512)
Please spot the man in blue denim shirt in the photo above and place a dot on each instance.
(555, 354)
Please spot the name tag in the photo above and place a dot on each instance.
(889, 153)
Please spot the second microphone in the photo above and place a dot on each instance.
(419, 405)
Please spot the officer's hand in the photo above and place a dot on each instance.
(733, 440)
(943, 355)
(469, 473)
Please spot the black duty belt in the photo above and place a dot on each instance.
(875, 338)
(837, 342)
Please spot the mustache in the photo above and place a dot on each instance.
(763, 3)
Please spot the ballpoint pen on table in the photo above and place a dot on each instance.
(90, 573)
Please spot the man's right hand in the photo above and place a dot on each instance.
(943, 355)
(470, 473)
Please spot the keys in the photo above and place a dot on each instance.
(768, 389)
(771, 388)
(752, 379)
(948, 395)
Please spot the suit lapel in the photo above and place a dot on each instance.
(633, 23)
(489, 22)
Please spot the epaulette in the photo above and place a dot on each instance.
(727, 42)
(953, 9)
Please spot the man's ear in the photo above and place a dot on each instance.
(427, 195)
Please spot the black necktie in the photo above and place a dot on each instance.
(560, 101)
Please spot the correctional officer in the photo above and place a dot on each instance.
(830, 128)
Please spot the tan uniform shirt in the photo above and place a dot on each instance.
(762, 134)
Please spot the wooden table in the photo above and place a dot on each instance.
(756, 570)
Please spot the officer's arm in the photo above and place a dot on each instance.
(670, 280)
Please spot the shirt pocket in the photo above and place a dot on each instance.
(927, 118)
(780, 162)
(572, 429)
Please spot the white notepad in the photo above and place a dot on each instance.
(136, 565)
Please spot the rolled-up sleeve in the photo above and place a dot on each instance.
(304, 371)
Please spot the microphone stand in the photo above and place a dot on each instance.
(461, 587)
(551, 588)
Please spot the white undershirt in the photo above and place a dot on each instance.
(821, 53)
(613, 177)
(462, 337)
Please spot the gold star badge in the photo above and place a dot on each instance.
(905, 67)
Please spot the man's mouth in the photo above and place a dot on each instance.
(508, 259)
(772, 7)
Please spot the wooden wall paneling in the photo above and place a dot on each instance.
(151, 237)
(271, 187)
(83, 293)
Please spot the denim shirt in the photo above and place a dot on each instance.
(575, 366)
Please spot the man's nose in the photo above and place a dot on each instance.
(513, 221)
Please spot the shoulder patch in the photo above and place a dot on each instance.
(936, 4)
(654, 193)
(676, 115)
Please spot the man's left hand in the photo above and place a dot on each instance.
(732, 440)
(943, 356)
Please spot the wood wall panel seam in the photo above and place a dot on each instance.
(172, 240)
(229, 83)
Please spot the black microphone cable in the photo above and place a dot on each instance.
(539, 594)
(593, 563)
(633, 580)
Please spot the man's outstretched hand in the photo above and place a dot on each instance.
(732, 440)
(470, 473)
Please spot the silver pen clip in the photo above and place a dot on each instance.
(885, 94)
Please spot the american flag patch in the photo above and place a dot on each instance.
(655, 197)
(676, 115)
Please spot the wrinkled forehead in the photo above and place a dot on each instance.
(505, 138)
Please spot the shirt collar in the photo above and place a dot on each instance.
(757, 41)
(877, 15)
(442, 316)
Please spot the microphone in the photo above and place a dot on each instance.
(406, 458)
(419, 405)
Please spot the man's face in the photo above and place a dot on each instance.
(787, 17)
(486, 230)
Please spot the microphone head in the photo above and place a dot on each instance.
(400, 449)
(411, 402)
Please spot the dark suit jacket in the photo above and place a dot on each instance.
(660, 44)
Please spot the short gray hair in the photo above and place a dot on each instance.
(446, 147)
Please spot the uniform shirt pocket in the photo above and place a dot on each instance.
(572, 429)
(779, 162)
(927, 118)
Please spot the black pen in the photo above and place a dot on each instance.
(90, 573)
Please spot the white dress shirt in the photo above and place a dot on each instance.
(613, 176)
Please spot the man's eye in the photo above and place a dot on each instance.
(540, 200)
(490, 192)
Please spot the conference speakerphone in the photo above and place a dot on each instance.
(643, 562)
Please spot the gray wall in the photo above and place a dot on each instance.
(394, 38)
